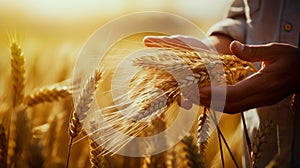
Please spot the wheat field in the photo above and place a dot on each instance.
(39, 125)
(36, 108)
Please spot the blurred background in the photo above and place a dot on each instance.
(49, 31)
(60, 28)
(67, 22)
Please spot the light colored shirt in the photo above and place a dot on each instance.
(261, 22)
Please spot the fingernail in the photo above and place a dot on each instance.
(147, 38)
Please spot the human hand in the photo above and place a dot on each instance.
(277, 79)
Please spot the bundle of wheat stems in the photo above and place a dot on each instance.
(162, 78)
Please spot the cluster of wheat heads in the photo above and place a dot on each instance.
(153, 90)
(20, 146)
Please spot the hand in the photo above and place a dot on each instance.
(278, 78)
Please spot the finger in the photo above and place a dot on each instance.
(165, 42)
(254, 53)
(222, 104)
(179, 42)
(251, 93)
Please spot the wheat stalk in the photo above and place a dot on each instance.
(259, 139)
(83, 103)
(82, 107)
(3, 147)
(21, 134)
(18, 114)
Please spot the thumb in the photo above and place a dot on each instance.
(252, 53)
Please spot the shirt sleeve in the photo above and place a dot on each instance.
(235, 23)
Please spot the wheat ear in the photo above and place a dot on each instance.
(83, 103)
(96, 159)
(190, 69)
(82, 106)
(259, 139)
(18, 114)
(18, 73)
(48, 94)
(3, 147)
(203, 128)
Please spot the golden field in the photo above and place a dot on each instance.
(51, 36)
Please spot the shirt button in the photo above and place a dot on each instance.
(288, 27)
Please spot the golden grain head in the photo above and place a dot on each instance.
(260, 139)
(83, 103)
(18, 73)
(175, 72)
(48, 94)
